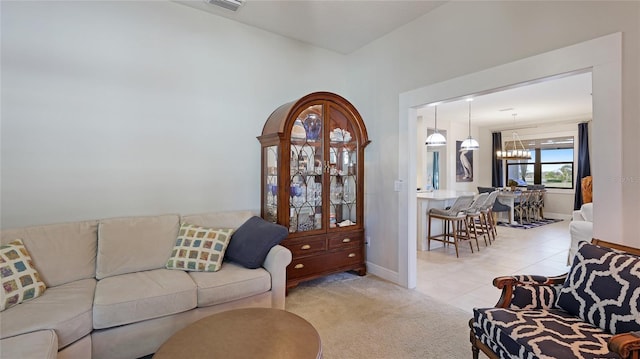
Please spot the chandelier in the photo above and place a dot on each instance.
(436, 138)
(514, 150)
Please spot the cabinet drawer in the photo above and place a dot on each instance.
(305, 247)
(318, 264)
(346, 240)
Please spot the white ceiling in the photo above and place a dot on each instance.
(344, 26)
(557, 100)
(340, 25)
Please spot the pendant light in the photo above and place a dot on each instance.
(436, 138)
(470, 144)
(514, 152)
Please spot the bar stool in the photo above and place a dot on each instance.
(475, 219)
(489, 219)
(455, 216)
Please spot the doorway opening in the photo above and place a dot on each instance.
(602, 56)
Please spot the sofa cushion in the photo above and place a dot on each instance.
(603, 288)
(42, 344)
(199, 248)
(133, 297)
(20, 280)
(252, 241)
(62, 253)
(539, 333)
(232, 282)
(133, 244)
(65, 309)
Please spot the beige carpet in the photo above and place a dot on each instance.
(367, 317)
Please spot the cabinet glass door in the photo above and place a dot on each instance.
(270, 191)
(306, 171)
(343, 170)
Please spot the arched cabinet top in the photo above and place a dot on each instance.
(281, 121)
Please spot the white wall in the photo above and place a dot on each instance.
(460, 38)
(123, 108)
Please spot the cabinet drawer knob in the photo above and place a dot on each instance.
(306, 246)
(351, 255)
(299, 265)
(346, 240)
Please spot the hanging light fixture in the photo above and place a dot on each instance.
(436, 138)
(470, 143)
(514, 152)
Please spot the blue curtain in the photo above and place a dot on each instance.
(584, 164)
(496, 165)
(435, 179)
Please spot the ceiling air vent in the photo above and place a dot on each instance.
(232, 5)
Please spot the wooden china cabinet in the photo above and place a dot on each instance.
(312, 183)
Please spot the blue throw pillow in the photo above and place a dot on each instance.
(603, 288)
(253, 240)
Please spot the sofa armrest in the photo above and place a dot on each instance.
(528, 291)
(579, 231)
(576, 215)
(276, 264)
(627, 345)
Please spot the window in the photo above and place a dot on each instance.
(551, 163)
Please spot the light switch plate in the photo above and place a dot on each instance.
(397, 185)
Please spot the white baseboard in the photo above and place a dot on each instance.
(383, 273)
(566, 217)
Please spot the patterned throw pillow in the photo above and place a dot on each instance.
(199, 249)
(603, 288)
(20, 280)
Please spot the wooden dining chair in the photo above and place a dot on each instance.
(536, 205)
(523, 208)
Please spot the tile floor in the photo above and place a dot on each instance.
(466, 282)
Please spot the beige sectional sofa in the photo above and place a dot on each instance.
(109, 294)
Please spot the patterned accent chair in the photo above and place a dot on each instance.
(591, 312)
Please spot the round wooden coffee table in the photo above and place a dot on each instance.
(245, 333)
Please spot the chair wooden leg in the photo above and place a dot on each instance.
(475, 352)
(467, 232)
(485, 224)
(447, 232)
(455, 237)
(486, 228)
(494, 226)
(429, 235)
(475, 233)
(489, 221)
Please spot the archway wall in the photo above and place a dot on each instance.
(466, 38)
